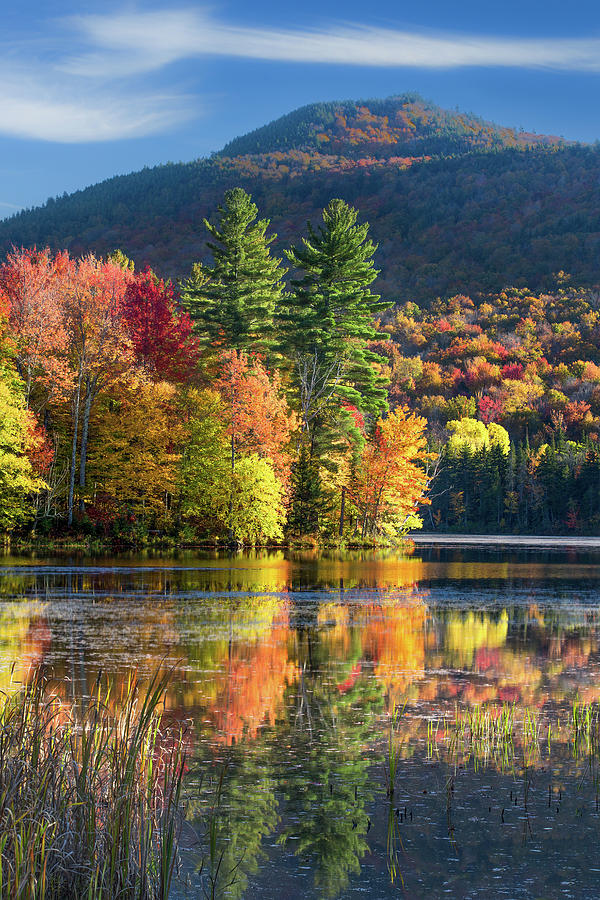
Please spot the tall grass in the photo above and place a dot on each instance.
(586, 728)
(504, 736)
(394, 748)
(89, 798)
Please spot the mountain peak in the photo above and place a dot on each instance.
(402, 125)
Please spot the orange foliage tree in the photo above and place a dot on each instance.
(390, 481)
(257, 418)
(99, 348)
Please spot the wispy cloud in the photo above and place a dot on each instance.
(95, 92)
(33, 104)
(131, 43)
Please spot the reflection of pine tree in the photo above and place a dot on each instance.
(245, 813)
(326, 797)
(307, 496)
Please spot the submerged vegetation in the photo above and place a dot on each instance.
(510, 737)
(90, 794)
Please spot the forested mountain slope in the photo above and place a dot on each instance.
(456, 204)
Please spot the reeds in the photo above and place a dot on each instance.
(484, 734)
(504, 735)
(89, 798)
(394, 748)
(586, 728)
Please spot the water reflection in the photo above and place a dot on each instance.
(287, 669)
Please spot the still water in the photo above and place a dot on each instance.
(288, 672)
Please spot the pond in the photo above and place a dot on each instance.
(302, 681)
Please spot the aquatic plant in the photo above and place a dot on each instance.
(504, 736)
(219, 877)
(394, 746)
(89, 798)
(586, 728)
(484, 733)
(394, 845)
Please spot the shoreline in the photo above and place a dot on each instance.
(559, 542)
(413, 540)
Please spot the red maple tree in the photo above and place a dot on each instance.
(160, 332)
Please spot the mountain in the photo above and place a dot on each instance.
(457, 204)
(395, 127)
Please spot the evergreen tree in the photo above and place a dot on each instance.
(233, 301)
(307, 496)
(328, 319)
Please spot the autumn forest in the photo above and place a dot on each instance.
(228, 409)
(261, 399)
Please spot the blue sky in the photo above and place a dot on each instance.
(91, 89)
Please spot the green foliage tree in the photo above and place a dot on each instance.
(328, 320)
(308, 500)
(256, 511)
(233, 301)
(205, 465)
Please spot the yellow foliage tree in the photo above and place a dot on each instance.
(391, 481)
(134, 456)
(17, 478)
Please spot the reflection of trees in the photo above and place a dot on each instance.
(147, 575)
(328, 727)
(384, 570)
(24, 640)
(466, 633)
(240, 645)
(327, 791)
(395, 640)
(246, 812)
(510, 654)
(290, 686)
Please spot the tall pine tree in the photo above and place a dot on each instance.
(328, 319)
(234, 301)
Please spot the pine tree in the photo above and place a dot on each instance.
(328, 319)
(307, 496)
(234, 301)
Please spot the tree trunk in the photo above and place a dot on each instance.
(342, 510)
(364, 526)
(74, 450)
(84, 443)
(231, 489)
(376, 510)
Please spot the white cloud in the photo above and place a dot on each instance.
(34, 105)
(141, 42)
(94, 93)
